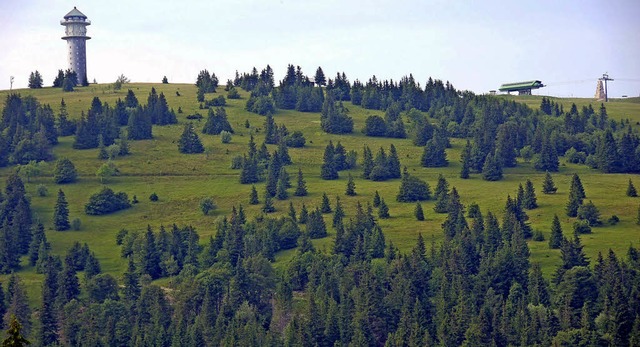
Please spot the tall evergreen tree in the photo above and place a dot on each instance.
(383, 210)
(48, 327)
(418, 212)
(434, 154)
(492, 170)
(61, 213)
(326, 205)
(631, 190)
(529, 201)
(281, 189)
(351, 187)
(376, 199)
(548, 187)
(465, 158)
(441, 194)
(555, 239)
(268, 204)
(548, 157)
(301, 186)
(189, 141)
(14, 334)
(304, 214)
(393, 163)
(253, 196)
(367, 162)
(329, 170)
(607, 158)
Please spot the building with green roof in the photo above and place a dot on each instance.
(523, 88)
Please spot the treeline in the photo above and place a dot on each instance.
(477, 288)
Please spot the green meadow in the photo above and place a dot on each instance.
(182, 180)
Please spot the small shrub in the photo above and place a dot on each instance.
(295, 139)
(153, 197)
(474, 210)
(233, 94)
(42, 190)
(134, 200)
(613, 220)
(106, 201)
(120, 236)
(196, 116)
(538, 235)
(581, 227)
(225, 136)
(75, 224)
(236, 162)
(215, 102)
(207, 205)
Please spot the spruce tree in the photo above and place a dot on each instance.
(338, 213)
(555, 239)
(442, 195)
(351, 187)
(491, 170)
(253, 197)
(434, 154)
(14, 334)
(376, 199)
(316, 227)
(301, 188)
(577, 187)
(268, 204)
(383, 210)
(189, 141)
(465, 158)
(367, 162)
(548, 187)
(38, 237)
(304, 214)
(292, 212)
(281, 189)
(61, 213)
(418, 212)
(329, 170)
(393, 163)
(326, 205)
(631, 190)
(64, 171)
(529, 201)
(547, 160)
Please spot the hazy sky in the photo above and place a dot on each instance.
(476, 45)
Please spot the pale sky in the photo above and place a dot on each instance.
(476, 45)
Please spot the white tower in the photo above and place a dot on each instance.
(76, 36)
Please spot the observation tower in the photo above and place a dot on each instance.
(75, 23)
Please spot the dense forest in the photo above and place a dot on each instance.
(476, 287)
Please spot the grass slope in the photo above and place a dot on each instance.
(181, 181)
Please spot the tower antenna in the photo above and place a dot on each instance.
(605, 78)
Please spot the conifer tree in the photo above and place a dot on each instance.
(529, 201)
(555, 239)
(338, 213)
(64, 171)
(281, 189)
(376, 199)
(326, 205)
(253, 197)
(329, 170)
(383, 210)
(48, 327)
(268, 204)
(38, 237)
(69, 287)
(351, 187)
(189, 141)
(393, 163)
(492, 170)
(14, 334)
(316, 227)
(576, 197)
(61, 213)
(548, 158)
(631, 190)
(418, 212)
(249, 172)
(548, 187)
(442, 195)
(304, 214)
(434, 154)
(270, 130)
(292, 212)
(465, 158)
(367, 162)
(577, 187)
(301, 187)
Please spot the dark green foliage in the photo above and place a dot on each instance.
(334, 118)
(338, 214)
(326, 206)
(139, 125)
(367, 162)
(590, 213)
(465, 159)
(375, 126)
(189, 141)
(253, 197)
(64, 171)
(607, 157)
(351, 187)
(65, 126)
(295, 139)
(547, 160)
(418, 212)
(316, 227)
(555, 239)
(206, 82)
(217, 122)
(376, 199)
(268, 204)
(329, 170)
(631, 190)
(529, 200)
(301, 186)
(249, 172)
(14, 332)
(576, 196)
(548, 187)
(491, 170)
(61, 213)
(106, 201)
(434, 155)
(383, 210)
(282, 185)
(411, 189)
(153, 197)
(441, 194)
(538, 236)
(35, 80)
(581, 227)
(292, 212)
(304, 215)
(207, 205)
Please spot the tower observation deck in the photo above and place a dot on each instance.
(75, 23)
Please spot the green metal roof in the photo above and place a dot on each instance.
(511, 87)
(74, 13)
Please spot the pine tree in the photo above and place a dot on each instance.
(253, 197)
(577, 187)
(418, 212)
(64, 171)
(281, 190)
(393, 163)
(301, 188)
(351, 187)
(383, 210)
(529, 198)
(329, 170)
(304, 214)
(367, 162)
(465, 158)
(61, 213)
(326, 205)
(442, 195)
(434, 154)
(548, 187)
(548, 157)
(38, 237)
(292, 212)
(316, 228)
(270, 130)
(338, 213)
(631, 190)
(607, 157)
(555, 239)
(69, 287)
(14, 334)
(491, 170)
(376, 199)
(268, 204)
(189, 141)
(48, 328)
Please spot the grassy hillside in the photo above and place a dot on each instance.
(181, 181)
